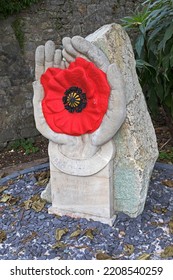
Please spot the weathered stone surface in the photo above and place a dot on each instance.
(79, 196)
(81, 167)
(135, 142)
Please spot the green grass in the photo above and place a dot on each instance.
(25, 144)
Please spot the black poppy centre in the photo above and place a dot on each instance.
(74, 100)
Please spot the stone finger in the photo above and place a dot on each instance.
(67, 44)
(68, 58)
(57, 58)
(39, 62)
(93, 53)
(38, 91)
(49, 54)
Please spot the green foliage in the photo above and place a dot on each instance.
(153, 47)
(166, 156)
(14, 6)
(25, 144)
(18, 31)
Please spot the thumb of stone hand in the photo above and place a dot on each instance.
(116, 112)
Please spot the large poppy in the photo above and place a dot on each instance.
(76, 98)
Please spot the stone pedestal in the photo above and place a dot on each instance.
(103, 183)
(87, 195)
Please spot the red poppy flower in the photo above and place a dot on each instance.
(76, 98)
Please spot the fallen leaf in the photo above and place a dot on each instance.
(3, 188)
(75, 233)
(3, 175)
(60, 232)
(5, 197)
(13, 200)
(168, 252)
(35, 202)
(170, 225)
(168, 183)
(3, 236)
(38, 205)
(89, 233)
(26, 204)
(144, 256)
(129, 249)
(103, 256)
(42, 178)
(42, 182)
(159, 210)
(59, 245)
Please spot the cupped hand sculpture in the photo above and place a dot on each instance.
(86, 145)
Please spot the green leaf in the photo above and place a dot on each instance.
(153, 21)
(159, 90)
(168, 34)
(139, 45)
(156, 31)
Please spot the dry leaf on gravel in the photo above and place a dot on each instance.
(90, 232)
(144, 256)
(35, 202)
(60, 232)
(168, 252)
(42, 178)
(3, 236)
(159, 210)
(75, 233)
(168, 183)
(3, 188)
(5, 197)
(170, 225)
(103, 256)
(59, 245)
(129, 249)
(8, 198)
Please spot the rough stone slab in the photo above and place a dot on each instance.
(135, 142)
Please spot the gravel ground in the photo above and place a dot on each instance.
(27, 231)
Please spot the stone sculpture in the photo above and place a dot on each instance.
(95, 175)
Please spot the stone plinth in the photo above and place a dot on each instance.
(86, 195)
(87, 178)
(135, 142)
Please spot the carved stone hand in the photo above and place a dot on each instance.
(84, 146)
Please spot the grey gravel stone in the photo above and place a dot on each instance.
(142, 232)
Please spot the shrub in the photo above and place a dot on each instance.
(14, 6)
(153, 48)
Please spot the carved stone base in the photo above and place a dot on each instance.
(89, 197)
